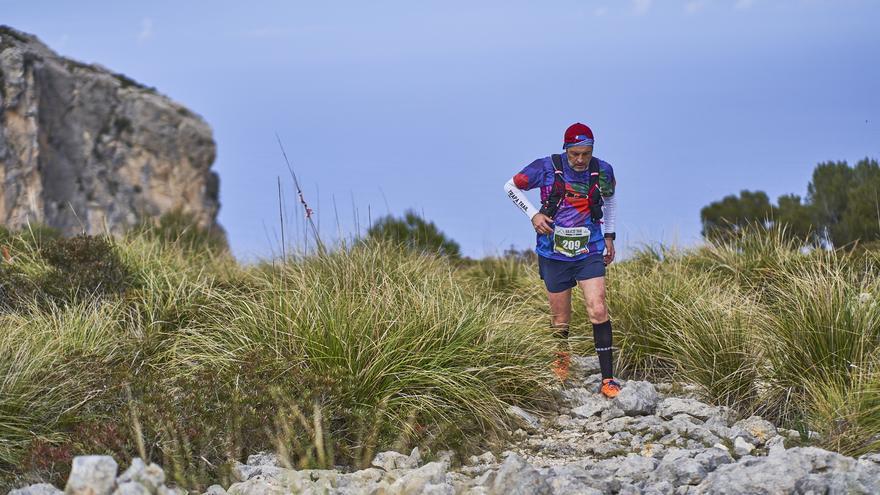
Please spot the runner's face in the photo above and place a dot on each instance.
(579, 157)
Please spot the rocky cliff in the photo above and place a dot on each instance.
(85, 149)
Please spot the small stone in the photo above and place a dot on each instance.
(151, 476)
(484, 458)
(741, 447)
(671, 406)
(617, 425)
(776, 445)
(591, 408)
(636, 468)
(660, 488)
(380, 488)
(714, 457)
(445, 456)
(593, 382)
(654, 450)
(638, 398)
(435, 489)
(390, 460)
(91, 475)
(791, 435)
(760, 429)
(611, 413)
(583, 366)
(609, 449)
(416, 480)
(628, 489)
(357, 479)
(263, 459)
(330, 476)
(525, 419)
(563, 421)
(622, 437)
(174, 490)
(259, 485)
(517, 477)
(670, 439)
(215, 490)
(678, 467)
(37, 489)
(485, 479)
(131, 488)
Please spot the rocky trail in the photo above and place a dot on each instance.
(645, 441)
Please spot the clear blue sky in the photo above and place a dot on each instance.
(390, 105)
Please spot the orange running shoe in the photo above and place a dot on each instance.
(610, 388)
(561, 364)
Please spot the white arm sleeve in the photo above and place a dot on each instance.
(609, 213)
(519, 199)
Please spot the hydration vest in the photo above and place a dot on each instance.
(558, 192)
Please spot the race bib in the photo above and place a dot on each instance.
(571, 241)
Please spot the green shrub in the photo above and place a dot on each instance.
(83, 267)
(16, 289)
(415, 233)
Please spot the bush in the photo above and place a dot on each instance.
(16, 289)
(83, 267)
(414, 233)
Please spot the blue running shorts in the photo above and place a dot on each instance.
(559, 275)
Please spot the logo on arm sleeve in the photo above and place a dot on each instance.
(521, 181)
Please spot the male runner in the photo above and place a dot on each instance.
(576, 192)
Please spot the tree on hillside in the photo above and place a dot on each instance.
(729, 216)
(861, 218)
(414, 232)
(842, 207)
(828, 195)
(797, 218)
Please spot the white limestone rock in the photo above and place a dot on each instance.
(92, 475)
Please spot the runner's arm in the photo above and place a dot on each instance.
(519, 199)
(609, 213)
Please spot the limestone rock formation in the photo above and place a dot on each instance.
(84, 149)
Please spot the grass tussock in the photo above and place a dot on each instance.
(760, 326)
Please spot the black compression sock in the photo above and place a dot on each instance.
(602, 341)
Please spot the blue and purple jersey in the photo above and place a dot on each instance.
(574, 211)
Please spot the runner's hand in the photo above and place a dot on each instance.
(542, 223)
(609, 251)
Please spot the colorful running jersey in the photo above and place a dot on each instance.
(574, 212)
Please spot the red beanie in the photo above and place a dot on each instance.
(578, 135)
